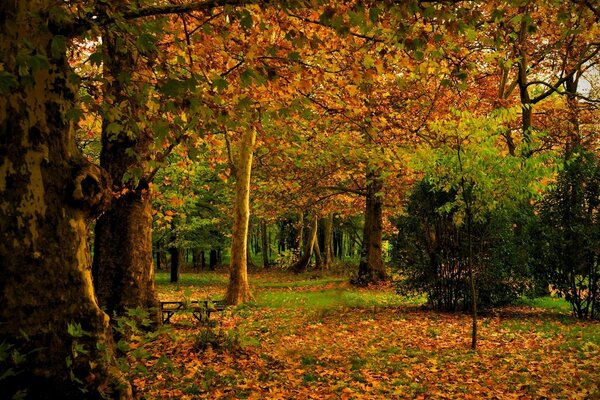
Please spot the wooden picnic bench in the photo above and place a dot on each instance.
(200, 309)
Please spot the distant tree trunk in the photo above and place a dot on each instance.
(49, 194)
(212, 260)
(174, 264)
(238, 290)
(282, 237)
(338, 243)
(302, 264)
(202, 260)
(318, 258)
(300, 231)
(122, 269)
(371, 268)
(174, 252)
(158, 255)
(327, 241)
(264, 243)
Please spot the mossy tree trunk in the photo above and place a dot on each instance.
(48, 196)
(238, 290)
(123, 270)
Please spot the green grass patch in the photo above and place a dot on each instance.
(192, 279)
(330, 298)
(549, 303)
(311, 282)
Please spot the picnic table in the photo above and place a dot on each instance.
(200, 309)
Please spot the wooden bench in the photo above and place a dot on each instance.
(200, 309)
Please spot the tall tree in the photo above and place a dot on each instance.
(238, 290)
(50, 194)
(122, 268)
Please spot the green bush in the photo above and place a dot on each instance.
(430, 252)
(570, 233)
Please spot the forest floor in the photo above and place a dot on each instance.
(311, 337)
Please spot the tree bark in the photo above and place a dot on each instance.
(302, 264)
(371, 268)
(212, 259)
(175, 259)
(123, 271)
(48, 196)
(238, 290)
(264, 243)
(327, 241)
(175, 263)
(300, 231)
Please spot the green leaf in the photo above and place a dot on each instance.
(294, 56)
(220, 83)
(146, 43)
(368, 61)
(58, 47)
(246, 20)
(97, 58)
(246, 77)
(38, 62)
(374, 14)
(7, 82)
(114, 128)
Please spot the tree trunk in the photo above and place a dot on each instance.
(238, 290)
(212, 259)
(123, 271)
(302, 264)
(371, 268)
(158, 255)
(175, 263)
(197, 255)
(327, 241)
(49, 194)
(264, 243)
(300, 231)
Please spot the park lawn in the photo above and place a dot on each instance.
(312, 337)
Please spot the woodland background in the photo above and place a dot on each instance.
(373, 165)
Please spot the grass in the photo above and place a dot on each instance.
(191, 279)
(550, 303)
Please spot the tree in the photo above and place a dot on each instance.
(570, 226)
(481, 179)
(50, 194)
(122, 269)
(238, 290)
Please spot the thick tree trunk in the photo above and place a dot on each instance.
(48, 196)
(264, 243)
(371, 268)
(123, 270)
(302, 264)
(238, 290)
(327, 241)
